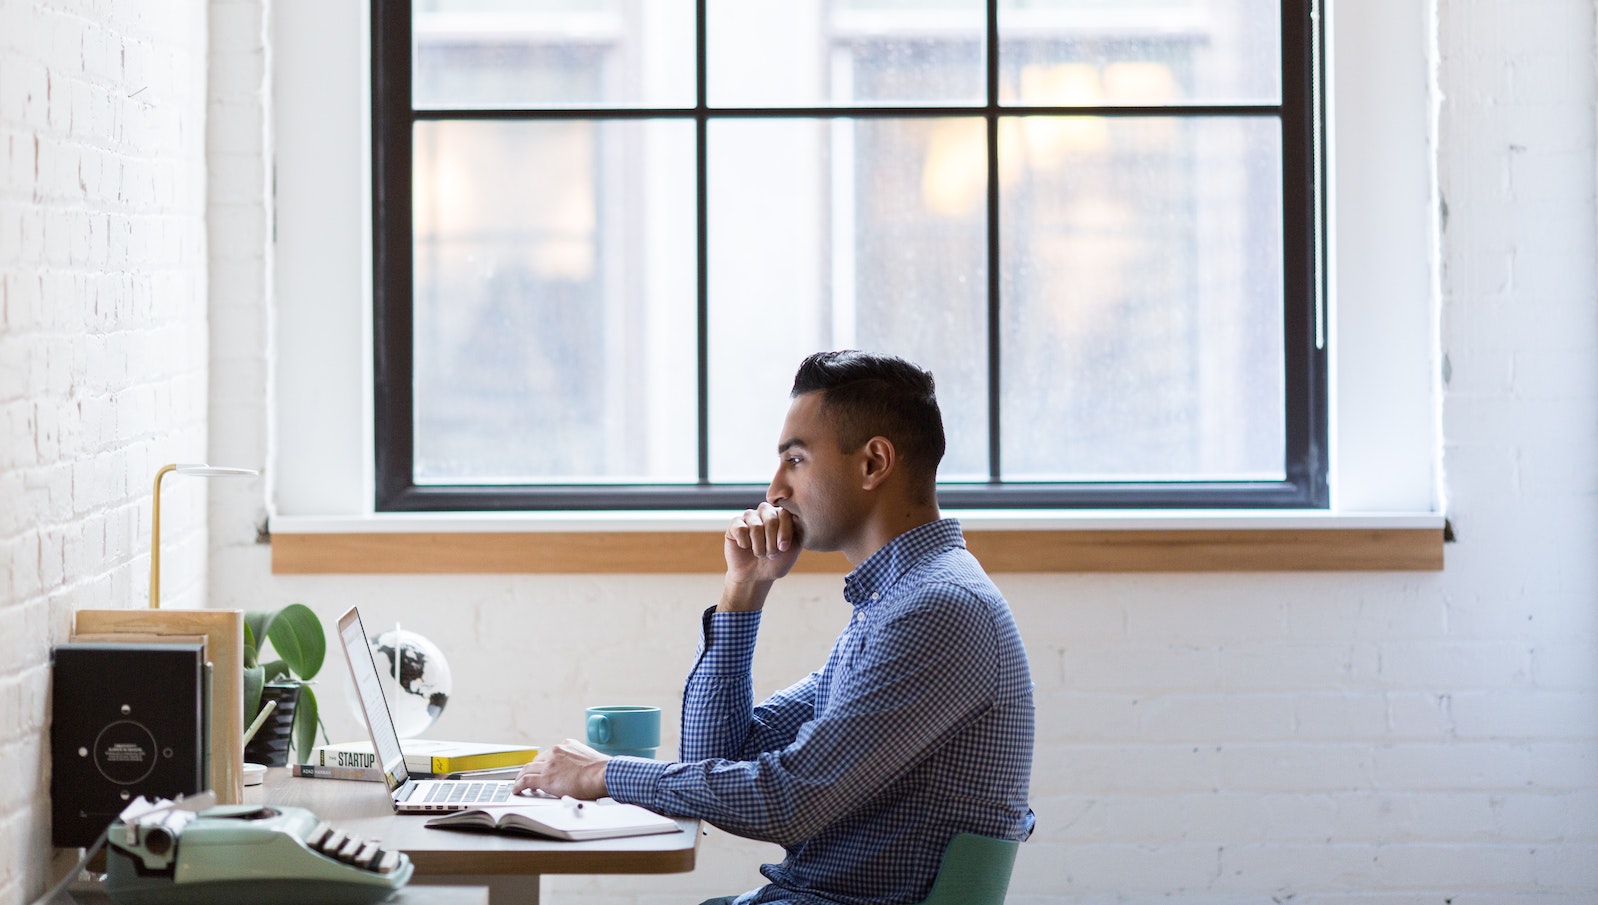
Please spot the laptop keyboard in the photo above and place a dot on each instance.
(462, 792)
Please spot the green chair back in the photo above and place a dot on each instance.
(975, 871)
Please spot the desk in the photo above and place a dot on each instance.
(94, 894)
(509, 865)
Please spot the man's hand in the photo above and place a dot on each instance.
(761, 546)
(570, 768)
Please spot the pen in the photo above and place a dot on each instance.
(260, 720)
(576, 806)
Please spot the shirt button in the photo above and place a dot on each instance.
(876, 596)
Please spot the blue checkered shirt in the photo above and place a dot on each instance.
(918, 727)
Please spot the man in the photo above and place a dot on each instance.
(920, 724)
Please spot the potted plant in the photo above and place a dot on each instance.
(297, 639)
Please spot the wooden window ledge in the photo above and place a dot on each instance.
(616, 543)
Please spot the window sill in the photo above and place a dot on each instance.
(1008, 541)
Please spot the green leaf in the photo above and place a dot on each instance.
(251, 649)
(276, 671)
(304, 725)
(254, 678)
(256, 623)
(297, 637)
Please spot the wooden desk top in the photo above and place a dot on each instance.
(95, 894)
(363, 808)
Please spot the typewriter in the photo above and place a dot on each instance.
(245, 855)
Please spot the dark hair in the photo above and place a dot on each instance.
(869, 395)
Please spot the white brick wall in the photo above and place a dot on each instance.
(102, 347)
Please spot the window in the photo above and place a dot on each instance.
(607, 231)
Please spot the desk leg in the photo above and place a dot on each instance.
(503, 889)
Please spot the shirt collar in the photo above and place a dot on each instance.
(882, 569)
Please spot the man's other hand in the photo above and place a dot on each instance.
(570, 768)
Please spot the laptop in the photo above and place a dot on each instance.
(409, 795)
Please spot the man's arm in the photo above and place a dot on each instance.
(928, 671)
(761, 546)
(719, 719)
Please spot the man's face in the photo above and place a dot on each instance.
(816, 483)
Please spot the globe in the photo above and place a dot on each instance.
(416, 679)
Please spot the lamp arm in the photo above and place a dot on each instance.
(155, 538)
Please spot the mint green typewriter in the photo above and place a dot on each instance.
(247, 855)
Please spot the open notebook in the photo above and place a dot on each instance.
(561, 819)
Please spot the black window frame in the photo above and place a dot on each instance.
(1301, 112)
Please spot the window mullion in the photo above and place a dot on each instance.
(702, 241)
(995, 433)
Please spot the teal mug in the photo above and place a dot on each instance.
(624, 730)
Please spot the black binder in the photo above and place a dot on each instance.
(127, 720)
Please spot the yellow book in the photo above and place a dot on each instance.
(424, 755)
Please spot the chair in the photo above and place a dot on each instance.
(975, 871)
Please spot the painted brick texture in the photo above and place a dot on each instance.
(102, 347)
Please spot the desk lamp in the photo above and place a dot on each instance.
(201, 471)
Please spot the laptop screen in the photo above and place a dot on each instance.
(369, 688)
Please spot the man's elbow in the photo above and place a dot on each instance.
(786, 830)
(793, 817)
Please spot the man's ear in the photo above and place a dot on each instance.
(878, 459)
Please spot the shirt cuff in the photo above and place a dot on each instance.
(728, 645)
(634, 780)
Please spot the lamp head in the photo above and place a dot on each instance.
(215, 471)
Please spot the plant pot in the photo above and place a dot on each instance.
(274, 740)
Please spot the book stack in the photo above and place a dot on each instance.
(352, 760)
(312, 771)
